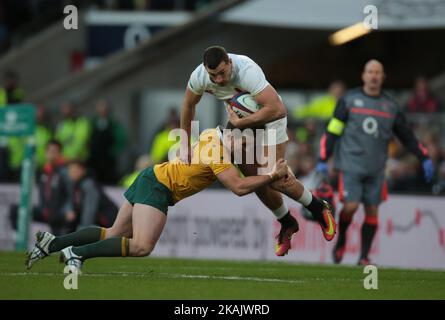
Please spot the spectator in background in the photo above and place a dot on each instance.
(306, 132)
(431, 142)
(3, 97)
(74, 133)
(161, 144)
(11, 88)
(403, 171)
(5, 170)
(306, 165)
(53, 191)
(423, 99)
(107, 141)
(402, 174)
(43, 135)
(141, 5)
(16, 147)
(321, 108)
(11, 148)
(144, 161)
(16, 152)
(90, 204)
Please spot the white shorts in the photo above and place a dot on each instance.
(276, 132)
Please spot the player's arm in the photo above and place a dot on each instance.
(272, 109)
(334, 130)
(407, 137)
(241, 186)
(189, 103)
(409, 140)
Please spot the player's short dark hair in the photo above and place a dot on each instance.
(213, 56)
(54, 142)
(78, 162)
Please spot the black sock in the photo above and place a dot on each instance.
(345, 221)
(316, 208)
(79, 238)
(287, 220)
(368, 233)
(111, 247)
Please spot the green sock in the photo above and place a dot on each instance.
(79, 238)
(112, 247)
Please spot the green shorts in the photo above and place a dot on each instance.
(146, 189)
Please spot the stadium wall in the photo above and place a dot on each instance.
(46, 57)
(216, 224)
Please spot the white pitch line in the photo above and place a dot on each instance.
(151, 275)
(198, 276)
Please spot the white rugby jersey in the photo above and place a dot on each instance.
(246, 76)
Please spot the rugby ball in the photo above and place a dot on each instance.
(243, 104)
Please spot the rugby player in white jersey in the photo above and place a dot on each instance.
(224, 75)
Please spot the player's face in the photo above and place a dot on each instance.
(75, 172)
(52, 153)
(373, 76)
(221, 74)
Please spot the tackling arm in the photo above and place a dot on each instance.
(242, 186)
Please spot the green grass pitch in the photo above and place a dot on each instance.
(156, 278)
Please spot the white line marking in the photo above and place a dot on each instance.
(154, 274)
(198, 276)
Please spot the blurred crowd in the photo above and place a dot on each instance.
(97, 141)
(74, 157)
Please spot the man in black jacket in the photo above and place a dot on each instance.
(90, 204)
(53, 190)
